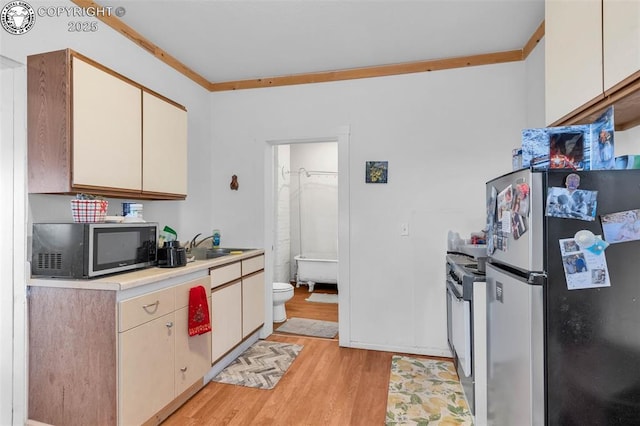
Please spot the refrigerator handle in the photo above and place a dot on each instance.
(537, 278)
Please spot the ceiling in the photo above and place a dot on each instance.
(243, 40)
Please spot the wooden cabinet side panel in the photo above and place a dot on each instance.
(48, 122)
(72, 356)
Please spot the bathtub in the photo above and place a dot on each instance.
(316, 268)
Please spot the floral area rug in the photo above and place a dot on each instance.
(425, 392)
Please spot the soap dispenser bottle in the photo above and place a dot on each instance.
(216, 238)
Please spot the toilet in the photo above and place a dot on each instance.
(282, 292)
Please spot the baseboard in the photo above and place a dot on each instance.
(439, 352)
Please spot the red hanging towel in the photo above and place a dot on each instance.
(199, 322)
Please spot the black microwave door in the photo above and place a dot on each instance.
(119, 248)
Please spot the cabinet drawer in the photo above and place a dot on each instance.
(147, 307)
(182, 291)
(252, 265)
(225, 274)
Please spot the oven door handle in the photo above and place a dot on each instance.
(452, 289)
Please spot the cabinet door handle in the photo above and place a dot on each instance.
(169, 324)
(154, 305)
(183, 369)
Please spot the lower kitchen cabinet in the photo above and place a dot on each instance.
(146, 372)
(193, 353)
(94, 360)
(226, 319)
(237, 303)
(158, 359)
(252, 303)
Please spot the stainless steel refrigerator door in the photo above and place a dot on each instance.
(515, 352)
(526, 252)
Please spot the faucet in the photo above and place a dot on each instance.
(193, 243)
(203, 240)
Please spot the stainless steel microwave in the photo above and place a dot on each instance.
(87, 250)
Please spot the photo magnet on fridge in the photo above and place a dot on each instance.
(582, 268)
(621, 226)
(579, 204)
(602, 153)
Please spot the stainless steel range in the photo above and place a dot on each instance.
(466, 329)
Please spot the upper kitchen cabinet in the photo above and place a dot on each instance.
(89, 131)
(592, 57)
(621, 42)
(106, 127)
(573, 56)
(164, 144)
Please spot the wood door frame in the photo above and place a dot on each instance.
(13, 256)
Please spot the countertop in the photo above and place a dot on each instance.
(142, 277)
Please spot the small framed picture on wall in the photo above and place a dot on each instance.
(376, 171)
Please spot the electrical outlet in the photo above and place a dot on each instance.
(404, 229)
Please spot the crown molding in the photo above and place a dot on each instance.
(319, 77)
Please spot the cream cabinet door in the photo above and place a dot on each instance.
(621, 38)
(146, 370)
(164, 146)
(573, 55)
(253, 289)
(226, 319)
(193, 353)
(107, 129)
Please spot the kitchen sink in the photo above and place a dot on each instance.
(203, 253)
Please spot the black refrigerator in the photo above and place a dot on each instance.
(563, 298)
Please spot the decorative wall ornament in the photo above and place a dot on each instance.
(376, 171)
(234, 183)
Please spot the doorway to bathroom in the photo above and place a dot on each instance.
(305, 249)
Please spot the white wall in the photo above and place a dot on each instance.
(113, 50)
(534, 66)
(627, 142)
(444, 134)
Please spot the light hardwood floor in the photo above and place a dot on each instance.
(298, 307)
(326, 385)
